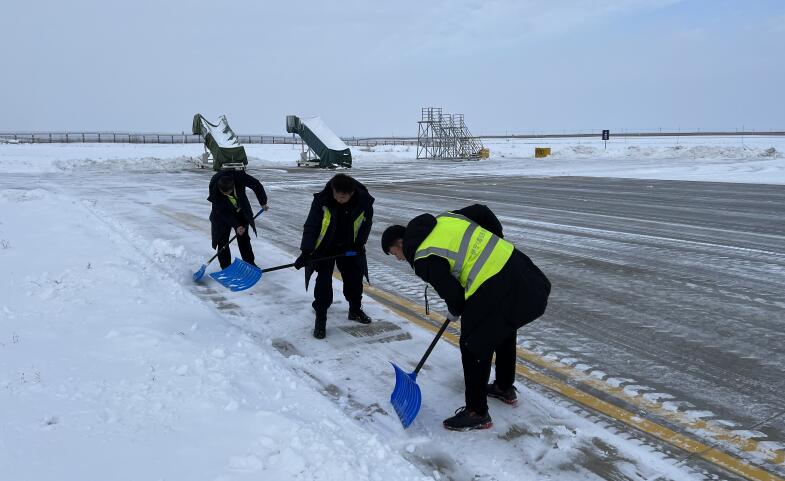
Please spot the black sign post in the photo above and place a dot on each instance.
(606, 134)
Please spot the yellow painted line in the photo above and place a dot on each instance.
(714, 431)
(681, 441)
(677, 417)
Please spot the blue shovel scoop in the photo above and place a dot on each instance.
(198, 275)
(406, 397)
(241, 275)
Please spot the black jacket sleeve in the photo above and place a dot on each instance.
(436, 272)
(365, 228)
(483, 216)
(253, 183)
(312, 227)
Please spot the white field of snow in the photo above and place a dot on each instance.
(115, 366)
(719, 159)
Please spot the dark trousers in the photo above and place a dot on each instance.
(352, 283)
(477, 372)
(221, 236)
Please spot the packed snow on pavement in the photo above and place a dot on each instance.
(116, 365)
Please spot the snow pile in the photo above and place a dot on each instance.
(406, 149)
(133, 164)
(664, 148)
(38, 158)
(664, 152)
(22, 195)
(110, 368)
(163, 251)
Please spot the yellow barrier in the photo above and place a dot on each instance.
(540, 152)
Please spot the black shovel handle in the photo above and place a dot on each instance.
(286, 266)
(433, 344)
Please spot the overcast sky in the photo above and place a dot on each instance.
(368, 67)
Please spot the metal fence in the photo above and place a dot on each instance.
(155, 138)
(627, 133)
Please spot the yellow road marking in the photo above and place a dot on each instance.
(711, 454)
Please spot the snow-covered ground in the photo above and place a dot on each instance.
(111, 369)
(114, 365)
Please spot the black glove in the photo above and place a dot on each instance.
(300, 262)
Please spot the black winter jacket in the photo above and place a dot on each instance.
(515, 296)
(340, 232)
(223, 212)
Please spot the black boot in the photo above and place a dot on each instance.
(508, 396)
(320, 325)
(359, 316)
(466, 420)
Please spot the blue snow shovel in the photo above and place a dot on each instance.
(241, 275)
(406, 397)
(200, 273)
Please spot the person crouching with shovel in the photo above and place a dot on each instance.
(231, 209)
(484, 279)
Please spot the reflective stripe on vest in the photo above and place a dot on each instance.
(474, 254)
(357, 223)
(325, 224)
(233, 199)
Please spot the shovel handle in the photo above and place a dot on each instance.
(231, 240)
(433, 344)
(286, 266)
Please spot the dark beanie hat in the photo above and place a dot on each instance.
(390, 235)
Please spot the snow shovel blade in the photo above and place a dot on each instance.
(200, 273)
(406, 397)
(239, 276)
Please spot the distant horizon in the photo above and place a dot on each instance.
(567, 132)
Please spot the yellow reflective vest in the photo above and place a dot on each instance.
(327, 217)
(475, 254)
(233, 199)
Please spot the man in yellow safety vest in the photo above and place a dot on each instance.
(484, 279)
(340, 220)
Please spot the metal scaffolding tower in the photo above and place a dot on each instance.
(445, 136)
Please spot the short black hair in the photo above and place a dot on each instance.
(226, 184)
(343, 183)
(391, 235)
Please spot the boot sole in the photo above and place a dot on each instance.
(512, 403)
(487, 425)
